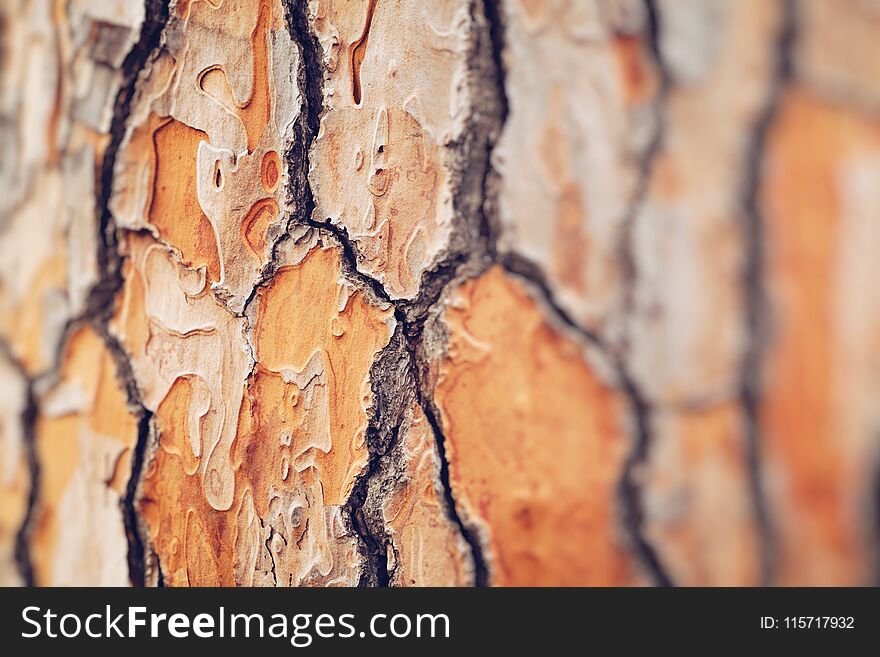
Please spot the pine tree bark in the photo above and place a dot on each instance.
(461, 292)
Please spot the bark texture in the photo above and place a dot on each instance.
(461, 292)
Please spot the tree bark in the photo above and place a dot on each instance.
(461, 292)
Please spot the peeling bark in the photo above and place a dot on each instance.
(390, 293)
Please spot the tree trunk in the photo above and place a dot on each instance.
(514, 292)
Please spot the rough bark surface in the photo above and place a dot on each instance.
(461, 292)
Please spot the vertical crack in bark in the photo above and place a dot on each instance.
(268, 544)
(101, 301)
(391, 394)
(629, 488)
(137, 566)
(756, 302)
(309, 77)
(391, 382)
(492, 13)
(488, 209)
(135, 532)
(475, 200)
(392, 386)
(647, 160)
(481, 571)
(381, 434)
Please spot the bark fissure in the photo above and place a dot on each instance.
(22, 539)
(137, 566)
(410, 317)
(305, 129)
(372, 540)
(268, 545)
(646, 161)
(757, 313)
(134, 531)
(472, 196)
(391, 384)
(481, 570)
(102, 298)
(488, 207)
(629, 488)
(305, 294)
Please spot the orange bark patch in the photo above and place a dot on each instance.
(638, 79)
(299, 443)
(534, 444)
(309, 327)
(271, 172)
(255, 224)
(173, 501)
(175, 209)
(811, 460)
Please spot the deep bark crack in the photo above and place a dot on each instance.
(481, 570)
(372, 540)
(309, 77)
(101, 302)
(391, 394)
(392, 383)
(498, 111)
(647, 161)
(629, 488)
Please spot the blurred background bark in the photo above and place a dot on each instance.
(461, 292)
